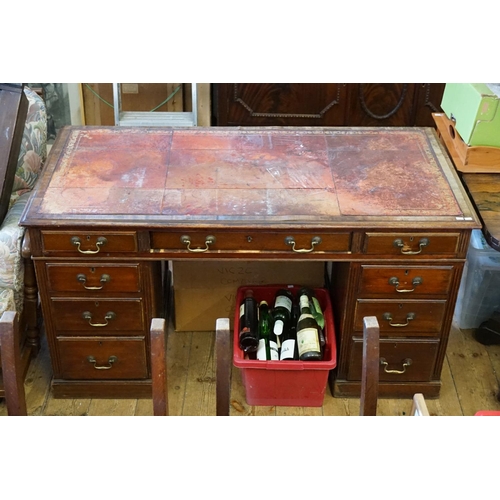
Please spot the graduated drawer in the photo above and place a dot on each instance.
(102, 358)
(93, 277)
(411, 245)
(89, 242)
(101, 317)
(401, 360)
(407, 281)
(251, 242)
(402, 317)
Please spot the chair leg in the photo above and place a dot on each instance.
(158, 343)
(371, 367)
(418, 407)
(223, 356)
(11, 364)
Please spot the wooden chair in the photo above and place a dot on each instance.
(223, 356)
(158, 342)
(12, 371)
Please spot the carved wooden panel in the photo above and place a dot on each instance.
(326, 104)
(280, 104)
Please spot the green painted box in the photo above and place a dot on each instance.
(475, 108)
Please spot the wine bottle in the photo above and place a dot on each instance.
(282, 311)
(268, 347)
(249, 334)
(316, 312)
(289, 345)
(308, 333)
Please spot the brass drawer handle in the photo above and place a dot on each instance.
(111, 360)
(395, 282)
(99, 243)
(404, 248)
(406, 362)
(186, 240)
(105, 278)
(388, 317)
(88, 316)
(290, 240)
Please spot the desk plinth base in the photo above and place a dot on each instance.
(350, 389)
(114, 389)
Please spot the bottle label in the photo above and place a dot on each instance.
(287, 349)
(304, 301)
(283, 301)
(242, 309)
(302, 316)
(308, 340)
(261, 350)
(273, 348)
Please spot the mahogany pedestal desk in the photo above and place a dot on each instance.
(383, 206)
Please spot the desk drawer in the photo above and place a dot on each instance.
(248, 241)
(402, 318)
(101, 317)
(411, 245)
(89, 242)
(407, 360)
(405, 281)
(102, 358)
(93, 278)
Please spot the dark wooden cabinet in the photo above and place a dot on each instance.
(326, 104)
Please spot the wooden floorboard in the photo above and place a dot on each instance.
(470, 382)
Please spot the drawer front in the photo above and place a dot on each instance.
(93, 278)
(89, 242)
(401, 360)
(100, 317)
(411, 245)
(406, 281)
(240, 241)
(402, 318)
(102, 358)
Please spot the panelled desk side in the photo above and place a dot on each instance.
(383, 206)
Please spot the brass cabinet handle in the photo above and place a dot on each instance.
(290, 240)
(99, 243)
(111, 360)
(406, 362)
(88, 316)
(388, 317)
(186, 240)
(421, 244)
(105, 278)
(395, 282)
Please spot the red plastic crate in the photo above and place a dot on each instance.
(285, 383)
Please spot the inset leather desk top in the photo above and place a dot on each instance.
(231, 175)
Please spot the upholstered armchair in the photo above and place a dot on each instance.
(18, 290)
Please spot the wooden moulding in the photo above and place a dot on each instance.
(478, 159)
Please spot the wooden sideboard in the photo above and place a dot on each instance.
(383, 206)
(326, 104)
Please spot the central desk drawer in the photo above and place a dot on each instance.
(89, 242)
(93, 278)
(402, 318)
(101, 317)
(102, 358)
(249, 241)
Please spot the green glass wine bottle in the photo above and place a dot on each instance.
(268, 347)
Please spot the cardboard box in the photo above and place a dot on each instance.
(475, 107)
(205, 291)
